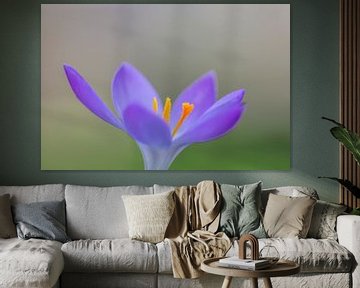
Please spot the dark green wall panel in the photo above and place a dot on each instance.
(314, 93)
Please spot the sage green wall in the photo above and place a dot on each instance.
(314, 93)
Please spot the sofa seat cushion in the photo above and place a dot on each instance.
(115, 255)
(313, 255)
(30, 263)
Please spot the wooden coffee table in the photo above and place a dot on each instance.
(281, 268)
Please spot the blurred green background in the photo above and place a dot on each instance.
(173, 45)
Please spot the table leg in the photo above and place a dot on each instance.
(254, 282)
(267, 283)
(227, 282)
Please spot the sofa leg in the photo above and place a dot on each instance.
(227, 282)
(267, 282)
(254, 282)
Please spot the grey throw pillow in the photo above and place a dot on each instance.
(323, 222)
(240, 213)
(44, 220)
(7, 227)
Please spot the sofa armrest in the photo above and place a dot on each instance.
(348, 230)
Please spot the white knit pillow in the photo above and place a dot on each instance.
(149, 215)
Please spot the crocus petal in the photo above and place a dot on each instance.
(216, 121)
(130, 86)
(202, 93)
(146, 127)
(88, 97)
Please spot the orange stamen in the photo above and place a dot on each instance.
(155, 105)
(187, 108)
(167, 110)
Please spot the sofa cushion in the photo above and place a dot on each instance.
(98, 213)
(28, 194)
(313, 255)
(117, 255)
(7, 226)
(149, 215)
(291, 191)
(240, 210)
(287, 216)
(323, 222)
(43, 220)
(30, 263)
(163, 188)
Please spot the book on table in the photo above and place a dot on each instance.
(236, 262)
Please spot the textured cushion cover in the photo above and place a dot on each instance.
(36, 193)
(149, 215)
(313, 255)
(44, 220)
(32, 263)
(240, 213)
(117, 255)
(323, 222)
(287, 216)
(98, 213)
(7, 227)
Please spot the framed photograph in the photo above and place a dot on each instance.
(165, 87)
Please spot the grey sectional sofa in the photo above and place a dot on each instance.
(101, 255)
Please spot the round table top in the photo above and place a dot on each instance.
(281, 268)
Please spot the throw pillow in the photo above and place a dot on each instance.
(288, 217)
(323, 222)
(240, 213)
(149, 215)
(43, 220)
(7, 227)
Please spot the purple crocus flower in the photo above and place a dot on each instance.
(162, 131)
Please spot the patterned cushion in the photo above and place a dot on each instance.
(323, 223)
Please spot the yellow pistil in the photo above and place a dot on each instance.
(187, 108)
(167, 110)
(155, 105)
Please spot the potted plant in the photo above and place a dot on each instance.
(351, 141)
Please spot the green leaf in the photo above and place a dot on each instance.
(348, 138)
(347, 184)
(355, 211)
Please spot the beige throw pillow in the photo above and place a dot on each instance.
(149, 215)
(288, 217)
(7, 226)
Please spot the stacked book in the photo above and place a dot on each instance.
(248, 264)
